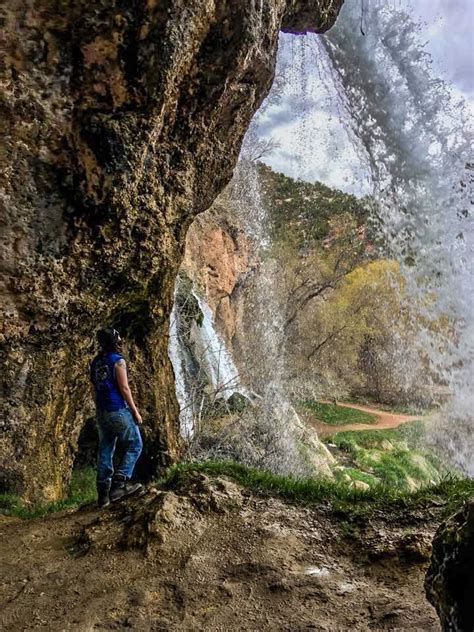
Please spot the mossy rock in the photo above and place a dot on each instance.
(237, 403)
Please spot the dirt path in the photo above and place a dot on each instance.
(384, 420)
(212, 558)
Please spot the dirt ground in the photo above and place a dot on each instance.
(214, 557)
(384, 420)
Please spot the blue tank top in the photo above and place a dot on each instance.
(107, 393)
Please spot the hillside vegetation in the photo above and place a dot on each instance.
(349, 327)
(394, 458)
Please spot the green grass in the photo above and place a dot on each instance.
(335, 415)
(394, 457)
(402, 409)
(449, 493)
(81, 491)
(410, 433)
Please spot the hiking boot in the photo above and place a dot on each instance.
(103, 499)
(121, 488)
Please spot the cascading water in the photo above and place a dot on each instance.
(200, 348)
(267, 431)
(418, 147)
(410, 148)
(412, 143)
(214, 356)
(274, 414)
(180, 361)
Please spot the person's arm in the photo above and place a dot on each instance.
(124, 388)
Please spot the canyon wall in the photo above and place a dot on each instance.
(218, 258)
(122, 121)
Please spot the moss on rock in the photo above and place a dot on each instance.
(123, 121)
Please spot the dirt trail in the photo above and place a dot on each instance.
(213, 557)
(384, 420)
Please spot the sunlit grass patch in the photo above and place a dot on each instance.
(449, 493)
(336, 415)
(394, 457)
(82, 490)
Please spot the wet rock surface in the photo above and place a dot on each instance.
(450, 577)
(123, 122)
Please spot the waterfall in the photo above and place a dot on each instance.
(269, 433)
(411, 149)
(267, 317)
(418, 148)
(412, 143)
(180, 361)
(214, 357)
(200, 349)
(274, 415)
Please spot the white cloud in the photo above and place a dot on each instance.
(304, 119)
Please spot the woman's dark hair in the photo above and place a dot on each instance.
(109, 339)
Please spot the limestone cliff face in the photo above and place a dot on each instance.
(218, 258)
(123, 121)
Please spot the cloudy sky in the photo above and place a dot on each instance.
(304, 118)
(449, 28)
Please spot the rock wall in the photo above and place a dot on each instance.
(123, 121)
(218, 258)
(450, 579)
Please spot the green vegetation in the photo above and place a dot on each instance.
(449, 493)
(394, 457)
(411, 433)
(81, 491)
(335, 415)
(345, 303)
(402, 409)
(302, 211)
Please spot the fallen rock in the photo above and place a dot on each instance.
(152, 518)
(361, 485)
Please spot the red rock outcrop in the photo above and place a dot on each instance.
(217, 258)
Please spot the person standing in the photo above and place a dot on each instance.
(118, 420)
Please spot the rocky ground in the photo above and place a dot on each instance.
(210, 555)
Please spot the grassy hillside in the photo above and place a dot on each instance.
(335, 415)
(302, 210)
(395, 458)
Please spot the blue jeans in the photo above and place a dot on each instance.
(117, 426)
